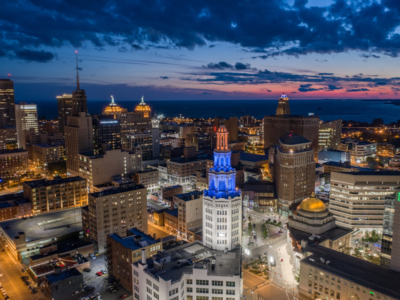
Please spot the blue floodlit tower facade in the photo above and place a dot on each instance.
(222, 202)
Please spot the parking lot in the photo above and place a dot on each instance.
(101, 283)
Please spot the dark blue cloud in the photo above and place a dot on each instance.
(270, 27)
(164, 77)
(219, 66)
(332, 87)
(32, 55)
(307, 88)
(358, 90)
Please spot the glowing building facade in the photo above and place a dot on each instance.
(222, 202)
(114, 109)
(143, 107)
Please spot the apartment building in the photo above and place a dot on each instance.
(99, 168)
(13, 162)
(115, 210)
(181, 169)
(148, 177)
(171, 221)
(190, 212)
(294, 171)
(8, 138)
(329, 274)
(385, 150)
(123, 251)
(357, 200)
(58, 194)
(43, 154)
(190, 271)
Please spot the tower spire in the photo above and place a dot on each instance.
(77, 71)
(112, 99)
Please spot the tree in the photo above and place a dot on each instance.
(59, 167)
(249, 218)
(249, 228)
(377, 122)
(264, 231)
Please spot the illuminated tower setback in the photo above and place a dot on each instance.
(222, 202)
(283, 106)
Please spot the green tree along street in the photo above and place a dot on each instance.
(371, 237)
(249, 228)
(264, 230)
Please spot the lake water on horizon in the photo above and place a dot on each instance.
(327, 110)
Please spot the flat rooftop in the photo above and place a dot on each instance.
(373, 173)
(46, 182)
(125, 187)
(226, 264)
(362, 272)
(253, 157)
(332, 234)
(11, 151)
(172, 212)
(137, 240)
(188, 196)
(52, 278)
(45, 226)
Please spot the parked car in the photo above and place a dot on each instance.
(123, 296)
(99, 273)
(114, 291)
(103, 271)
(87, 270)
(88, 288)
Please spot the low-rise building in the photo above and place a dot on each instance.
(171, 221)
(312, 223)
(190, 271)
(58, 194)
(171, 142)
(13, 162)
(359, 151)
(123, 251)
(25, 237)
(17, 206)
(149, 178)
(115, 210)
(62, 285)
(333, 155)
(395, 161)
(260, 195)
(331, 166)
(169, 191)
(385, 150)
(329, 274)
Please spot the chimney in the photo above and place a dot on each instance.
(143, 256)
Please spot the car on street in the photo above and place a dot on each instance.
(123, 296)
(99, 273)
(114, 291)
(92, 256)
(87, 270)
(103, 271)
(89, 288)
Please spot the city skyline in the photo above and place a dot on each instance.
(306, 49)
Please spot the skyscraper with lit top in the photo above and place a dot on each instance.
(283, 106)
(222, 202)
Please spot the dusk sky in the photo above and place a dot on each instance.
(209, 49)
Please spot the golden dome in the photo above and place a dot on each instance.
(113, 108)
(312, 204)
(143, 106)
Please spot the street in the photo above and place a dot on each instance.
(11, 281)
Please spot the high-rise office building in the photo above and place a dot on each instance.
(78, 138)
(394, 239)
(26, 119)
(106, 133)
(330, 134)
(155, 132)
(294, 171)
(64, 103)
(276, 126)
(283, 106)
(222, 202)
(7, 102)
(388, 227)
(357, 199)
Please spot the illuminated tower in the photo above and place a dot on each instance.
(143, 107)
(114, 109)
(283, 106)
(222, 202)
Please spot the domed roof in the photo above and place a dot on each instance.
(142, 106)
(222, 129)
(312, 204)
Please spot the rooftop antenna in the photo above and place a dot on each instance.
(9, 76)
(77, 71)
